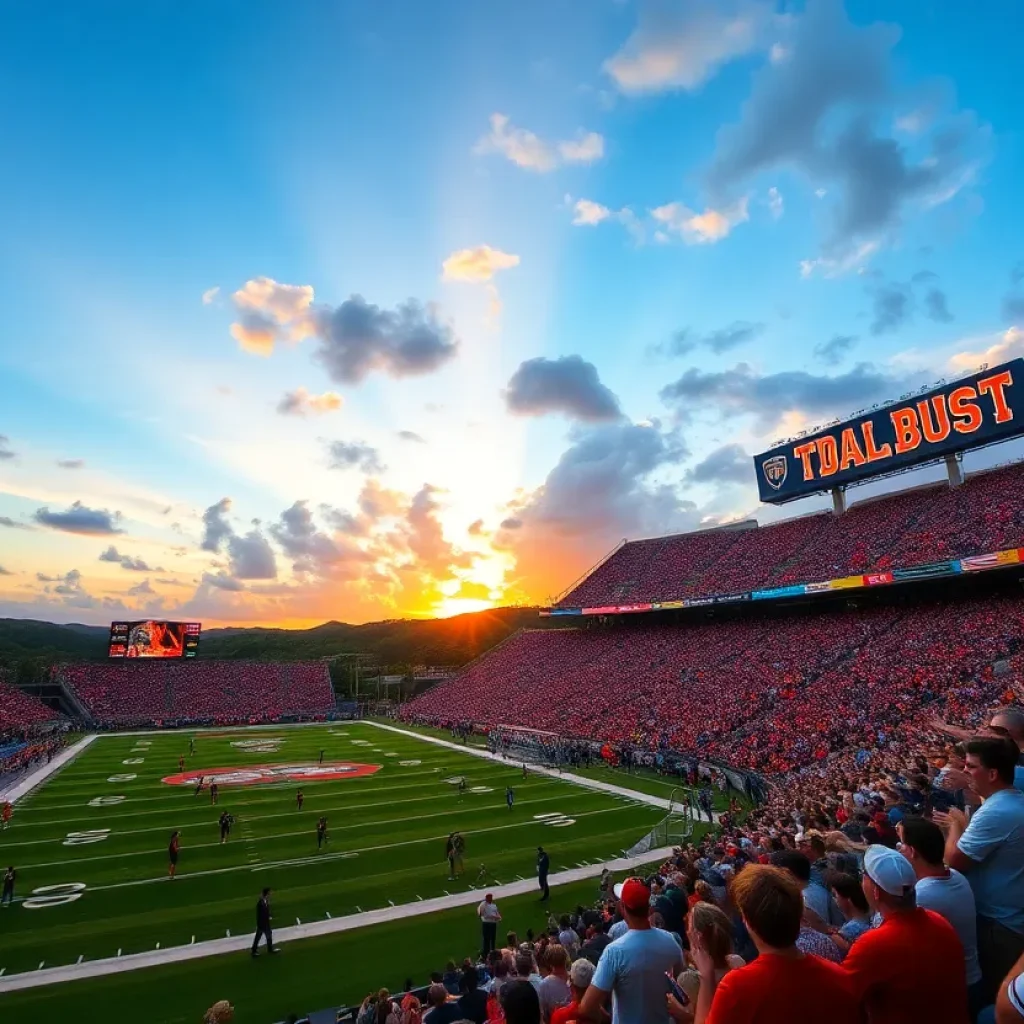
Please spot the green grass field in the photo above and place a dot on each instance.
(387, 834)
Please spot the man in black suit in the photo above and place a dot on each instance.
(543, 863)
(263, 924)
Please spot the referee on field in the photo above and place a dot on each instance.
(263, 924)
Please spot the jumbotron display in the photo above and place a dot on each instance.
(972, 412)
(150, 638)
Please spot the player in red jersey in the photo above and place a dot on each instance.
(173, 848)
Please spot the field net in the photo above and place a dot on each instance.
(673, 830)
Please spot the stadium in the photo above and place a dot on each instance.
(798, 678)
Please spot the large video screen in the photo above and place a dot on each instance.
(150, 638)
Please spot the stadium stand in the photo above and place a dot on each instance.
(221, 691)
(19, 711)
(770, 694)
(926, 524)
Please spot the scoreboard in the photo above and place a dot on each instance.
(152, 638)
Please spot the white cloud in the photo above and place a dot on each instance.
(284, 302)
(301, 402)
(775, 202)
(682, 47)
(853, 260)
(210, 294)
(778, 53)
(700, 228)
(584, 149)
(588, 213)
(478, 264)
(527, 150)
(913, 122)
(1006, 346)
(265, 306)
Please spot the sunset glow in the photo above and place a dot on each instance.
(428, 311)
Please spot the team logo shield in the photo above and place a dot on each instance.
(775, 470)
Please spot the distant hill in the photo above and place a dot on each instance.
(393, 643)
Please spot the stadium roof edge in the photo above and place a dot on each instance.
(735, 526)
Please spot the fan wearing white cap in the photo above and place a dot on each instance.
(911, 967)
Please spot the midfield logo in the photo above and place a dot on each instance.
(256, 774)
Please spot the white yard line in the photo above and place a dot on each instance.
(381, 787)
(579, 780)
(447, 797)
(43, 772)
(183, 875)
(242, 943)
(248, 838)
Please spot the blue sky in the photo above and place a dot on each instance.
(406, 283)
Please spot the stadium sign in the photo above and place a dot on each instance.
(968, 413)
(261, 773)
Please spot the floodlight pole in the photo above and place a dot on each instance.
(954, 469)
(838, 500)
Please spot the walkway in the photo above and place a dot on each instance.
(26, 783)
(329, 926)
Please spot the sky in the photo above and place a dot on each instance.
(358, 311)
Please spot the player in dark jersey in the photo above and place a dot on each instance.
(449, 852)
(199, 786)
(225, 826)
(510, 796)
(321, 831)
(173, 849)
(214, 792)
(298, 800)
(462, 787)
(321, 757)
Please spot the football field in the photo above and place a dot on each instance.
(90, 844)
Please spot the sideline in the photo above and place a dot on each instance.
(43, 772)
(330, 926)
(578, 780)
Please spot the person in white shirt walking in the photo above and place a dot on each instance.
(489, 918)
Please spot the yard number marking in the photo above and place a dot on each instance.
(554, 819)
(105, 801)
(134, 760)
(54, 895)
(95, 835)
(123, 778)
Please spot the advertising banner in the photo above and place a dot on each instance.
(992, 561)
(874, 579)
(847, 582)
(968, 413)
(929, 570)
(796, 590)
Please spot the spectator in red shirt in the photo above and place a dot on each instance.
(782, 985)
(580, 975)
(909, 970)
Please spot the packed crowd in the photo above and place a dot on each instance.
(34, 750)
(200, 691)
(19, 712)
(883, 884)
(928, 524)
(771, 694)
